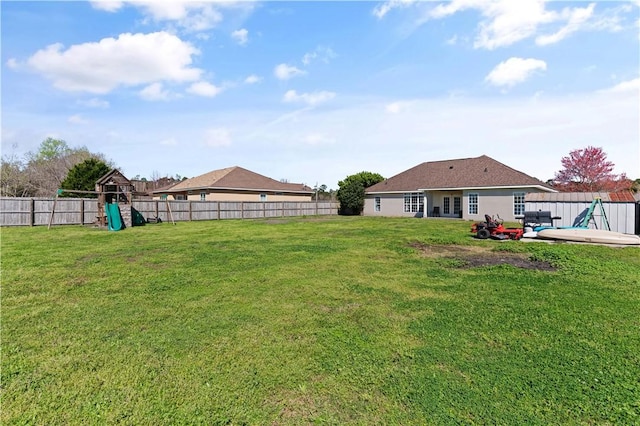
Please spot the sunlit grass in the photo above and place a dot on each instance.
(331, 320)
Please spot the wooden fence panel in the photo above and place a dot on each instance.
(76, 211)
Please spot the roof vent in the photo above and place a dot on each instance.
(485, 170)
(450, 167)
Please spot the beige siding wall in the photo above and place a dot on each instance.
(247, 196)
(493, 202)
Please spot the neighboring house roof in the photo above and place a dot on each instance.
(582, 197)
(236, 178)
(464, 173)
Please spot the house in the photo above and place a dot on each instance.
(466, 188)
(234, 184)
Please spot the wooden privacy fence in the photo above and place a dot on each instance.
(80, 211)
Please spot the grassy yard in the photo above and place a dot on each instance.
(363, 321)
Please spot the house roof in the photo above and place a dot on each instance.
(236, 178)
(464, 173)
(582, 197)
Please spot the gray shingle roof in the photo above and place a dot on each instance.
(236, 178)
(479, 172)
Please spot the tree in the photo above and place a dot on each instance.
(83, 176)
(587, 170)
(351, 191)
(14, 179)
(48, 166)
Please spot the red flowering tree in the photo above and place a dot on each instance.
(587, 170)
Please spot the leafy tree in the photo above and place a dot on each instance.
(48, 166)
(587, 170)
(351, 191)
(83, 176)
(636, 186)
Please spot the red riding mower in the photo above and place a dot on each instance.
(493, 228)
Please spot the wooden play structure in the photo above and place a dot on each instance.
(115, 193)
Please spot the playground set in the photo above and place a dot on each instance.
(115, 195)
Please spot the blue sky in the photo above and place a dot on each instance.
(315, 91)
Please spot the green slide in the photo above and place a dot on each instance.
(113, 216)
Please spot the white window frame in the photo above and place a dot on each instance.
(518, 203)
(413, 202)
(376, 204)
(474, 203)
(180, 197)
(263, 197)
(203, 196)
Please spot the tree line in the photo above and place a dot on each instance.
(55, 165)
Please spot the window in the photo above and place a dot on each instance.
(376, 204)
(263, 197)
(447, 205)
(473, 203)
(413, 202)
(518, 203)
(457, 206)
(203, 196)
(180, 197)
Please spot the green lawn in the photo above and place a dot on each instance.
(336, 320)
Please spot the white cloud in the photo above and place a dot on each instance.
(318, 139)
(321, 53)
(94, 103)
(129, 60)
(629, 86)
(286, 72)
(107, 5)
(506, 22)
(154, 92)
(77, 119)
(382, 9)
(253, 79)
(393, 108)
(514, 71)
(13, 63)
(192, 16)
(217, 137)
(169, 142)
(203, 88)
(576, 19)
(311, 99)
(241, 36)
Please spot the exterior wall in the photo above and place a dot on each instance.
(621, 216)
(239, 196)
(390, 205)
(494, 202)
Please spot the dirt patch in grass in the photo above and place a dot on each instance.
(474, 256)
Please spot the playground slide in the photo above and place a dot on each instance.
(113, 216)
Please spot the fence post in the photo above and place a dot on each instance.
(81, 211)
(190, 210)
(241, 209)
(32, 211)
(218, 207)
(157, 212)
